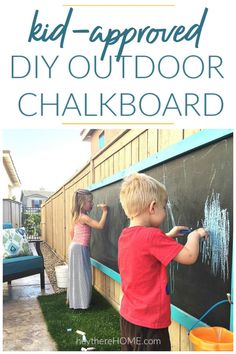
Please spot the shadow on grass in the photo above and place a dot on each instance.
(100, 323)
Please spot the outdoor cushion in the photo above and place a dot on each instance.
(21, 264)
(15, 243)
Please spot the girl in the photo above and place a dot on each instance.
(79, 289)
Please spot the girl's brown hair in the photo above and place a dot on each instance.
(79, 198)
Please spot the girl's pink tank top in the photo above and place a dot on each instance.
(82, 234)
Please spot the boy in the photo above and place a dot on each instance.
(144, 252)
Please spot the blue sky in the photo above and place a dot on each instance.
(46, 157)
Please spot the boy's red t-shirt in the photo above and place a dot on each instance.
(143, 254)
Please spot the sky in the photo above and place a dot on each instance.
(46, 158)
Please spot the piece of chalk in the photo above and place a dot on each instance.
(186, 232)
(89, 349)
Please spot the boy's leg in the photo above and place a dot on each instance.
(137, 338)
(155, 339)
(126, 333)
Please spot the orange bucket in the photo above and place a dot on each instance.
(211, 339)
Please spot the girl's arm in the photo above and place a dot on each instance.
(72, 233)
(99, 225)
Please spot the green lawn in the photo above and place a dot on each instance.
(100, 323)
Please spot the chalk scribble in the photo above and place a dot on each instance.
(215, 250)
(173, 266)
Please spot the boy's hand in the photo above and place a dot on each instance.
(102, 206)
(201, 233)
(176, 231)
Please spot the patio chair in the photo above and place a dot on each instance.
(24, 266)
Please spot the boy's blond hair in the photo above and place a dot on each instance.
(137, 192)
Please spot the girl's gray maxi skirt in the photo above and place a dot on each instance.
(79, 291)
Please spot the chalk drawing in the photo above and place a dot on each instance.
(169, 215)
(173, 265)
(215, 250)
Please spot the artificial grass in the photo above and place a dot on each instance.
(100, 323)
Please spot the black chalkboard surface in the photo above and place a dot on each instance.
(104, 243)
(189, 180)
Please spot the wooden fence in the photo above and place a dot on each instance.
(12, 213)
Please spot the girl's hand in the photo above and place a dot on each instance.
(176, 231)
(102, 206)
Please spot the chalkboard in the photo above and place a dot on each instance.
(104, 243)
(189, 180)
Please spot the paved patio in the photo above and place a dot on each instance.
(24, 328)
